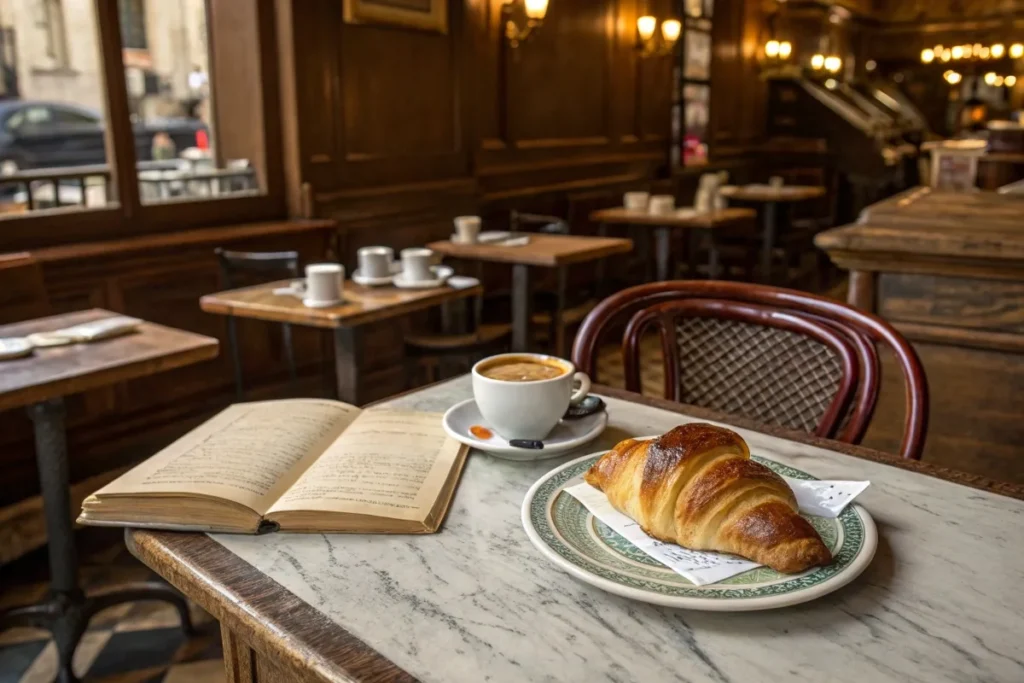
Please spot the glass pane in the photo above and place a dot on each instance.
(166, 51)
(52, 122)
(698, 55)
(696, 105)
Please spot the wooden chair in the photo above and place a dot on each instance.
(234, 265)
(431, 351)
(23, 293)
(774, 355)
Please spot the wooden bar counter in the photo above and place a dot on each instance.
(948, 270)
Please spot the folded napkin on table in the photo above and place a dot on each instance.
(86, 332)
(815, 497)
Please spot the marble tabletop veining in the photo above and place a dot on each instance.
(941, 601)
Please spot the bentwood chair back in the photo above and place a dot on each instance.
(237, 269)
(778, 356)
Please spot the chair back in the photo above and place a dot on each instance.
(267, 264)
(23, 294)
(778, 356)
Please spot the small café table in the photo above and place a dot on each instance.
(940, 601)
(682, 219)
(771, 199)
(40, 382)
(361, 305)
(542, 251)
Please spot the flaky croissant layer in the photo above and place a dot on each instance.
(697, 486)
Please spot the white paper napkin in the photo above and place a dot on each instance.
(821, 498)
(86, 332)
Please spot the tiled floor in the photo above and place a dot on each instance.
(138, 642)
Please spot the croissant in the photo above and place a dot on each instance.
(697, 486)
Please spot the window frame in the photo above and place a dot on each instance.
(130, 217)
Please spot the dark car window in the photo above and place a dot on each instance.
(70, 116)
(29, 116)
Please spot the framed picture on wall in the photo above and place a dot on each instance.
(429, 15)
(698, 55)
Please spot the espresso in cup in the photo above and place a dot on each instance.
(513, 369)
(524, 395)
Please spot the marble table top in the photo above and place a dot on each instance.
(942, 600)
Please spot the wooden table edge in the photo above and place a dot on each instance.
(209, 303)
(615, 245)
(735, 215)
(255, 600)
(205, 348)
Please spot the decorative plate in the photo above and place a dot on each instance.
(567, 434)
(568, 535)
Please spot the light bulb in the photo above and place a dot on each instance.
(952, 77)
(938, 49)
(997, 50)
(817, 61)
(969, 51)
(990, 78)
(871, 65)
(785, 49)
(946, 55)
(830, 83)
(771, 48)
(833, 64)
(927, 55)
(986, 53)
(999, 81)
(976, 47)
(1010, 81)
(1016, 51)
(645, 26)
(670, 30)
(536, 9)
(957, 51)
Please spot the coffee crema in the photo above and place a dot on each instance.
(523, 370)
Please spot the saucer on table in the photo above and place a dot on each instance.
(441, 274)
(567, 434)
(366, 281)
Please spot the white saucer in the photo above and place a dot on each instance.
(567, 434)
(441, 273)
(14, 347)
(309, 303)
(360, 279)
(462, 282)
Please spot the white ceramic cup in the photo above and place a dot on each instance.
(375, 261)
(416, 264)
(467, 229)
(324, 283)
(662, 204)
(527, 410)
(776, 181)
(636, 201)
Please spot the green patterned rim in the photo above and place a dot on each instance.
(566, 533)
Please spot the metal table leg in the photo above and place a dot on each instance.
(714, 262)
(769, 212)
(348, 350)
(521, 305)
(66, 612)
(662, 251)
(601, 268)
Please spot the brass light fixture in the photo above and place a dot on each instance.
(649, 43)
(534, 11)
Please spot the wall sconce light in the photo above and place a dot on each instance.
(1010, 81)
(776, 49)
(952, 77)
(818, 62)
(927, 55)
(1016, 51)
(535, 11)
(649, 45)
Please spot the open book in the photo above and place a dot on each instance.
(303, 465)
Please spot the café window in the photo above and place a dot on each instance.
(692, 96)
(129, 120)
(53, 147)
(171, 96)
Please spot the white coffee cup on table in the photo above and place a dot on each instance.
(636, 201)
(776, 181)
(324, 283)
(416, 264)
(375, 261)
(467, 229)
(662, 203)
(524, 395)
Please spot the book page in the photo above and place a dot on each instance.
(249, 453)
(388, 463)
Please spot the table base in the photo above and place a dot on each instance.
(67, 611)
